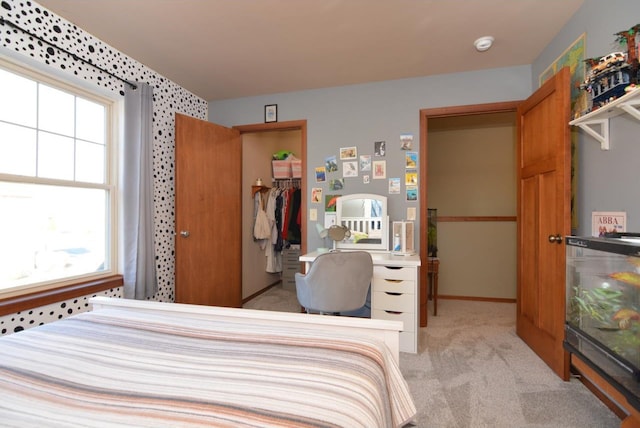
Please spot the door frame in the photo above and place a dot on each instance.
(425, 115)
(300, 125)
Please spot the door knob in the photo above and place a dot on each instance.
(184, 233)
(555, 238)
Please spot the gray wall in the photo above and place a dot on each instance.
(607, 180)
(359, 115)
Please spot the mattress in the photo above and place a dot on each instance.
(120, 368)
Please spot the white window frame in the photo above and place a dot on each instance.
(113, 110)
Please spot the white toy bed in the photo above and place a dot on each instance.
(364, 228)
(140, 363)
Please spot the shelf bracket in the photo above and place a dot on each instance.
(631, 107)
(603, 135)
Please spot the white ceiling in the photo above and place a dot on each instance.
(221, 49)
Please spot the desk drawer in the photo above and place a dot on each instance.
(290, 256)
(393, 285)
(289, 284)
(290, 270)
(394, 272)
(408, 319)
(392, 302)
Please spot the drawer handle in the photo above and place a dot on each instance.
(393, 267)
(393, 294)
(394, 312)
(393, 280)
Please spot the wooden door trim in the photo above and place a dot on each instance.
(288, 126)
(425, 115)
(471, 109)
(272, 126)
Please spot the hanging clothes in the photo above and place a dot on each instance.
(277, 220)
(294, 234)
(286, 197)
(274, 258)
(261, 224)
(279, 245)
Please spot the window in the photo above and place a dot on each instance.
(57, 192)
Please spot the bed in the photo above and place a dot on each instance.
(140, 363)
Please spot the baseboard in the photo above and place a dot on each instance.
(246, 299)
(479, 299)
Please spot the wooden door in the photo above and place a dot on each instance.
(208, 213)
(544, 213)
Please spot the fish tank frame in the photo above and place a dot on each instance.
(602, 319)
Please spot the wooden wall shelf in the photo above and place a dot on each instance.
(256, 189)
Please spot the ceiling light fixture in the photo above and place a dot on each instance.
(483, 43)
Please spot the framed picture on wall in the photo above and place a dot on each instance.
(271, 113)
(348, 153)
(365, 162)
(350, 169)
(608, 222)
(379, 169)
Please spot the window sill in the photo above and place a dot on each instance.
(23, 302)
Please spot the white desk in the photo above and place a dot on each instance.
(394, 292)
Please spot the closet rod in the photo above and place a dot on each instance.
(72, 55)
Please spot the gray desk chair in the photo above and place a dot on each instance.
(336, 282)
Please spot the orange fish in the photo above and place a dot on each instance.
(626, 314)
(634, 260)
(624, 318)
(627, 277)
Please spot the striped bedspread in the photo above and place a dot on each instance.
(118, 368)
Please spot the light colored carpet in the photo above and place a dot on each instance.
(473, 371)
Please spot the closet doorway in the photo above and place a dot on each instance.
(259, 143)
(468, 167)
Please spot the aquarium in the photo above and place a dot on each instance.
(603, 307)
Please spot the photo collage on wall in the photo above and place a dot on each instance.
(348, 164)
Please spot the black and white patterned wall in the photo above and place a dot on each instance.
(55, 311)
(168, 99)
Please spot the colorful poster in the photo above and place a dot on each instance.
(394, 186)
(572, 57)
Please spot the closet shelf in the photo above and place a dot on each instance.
(256, 189)
(596, 123)
(287, 182)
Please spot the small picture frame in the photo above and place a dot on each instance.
(271, 113)
(379, 169)
(380, 148)
(350, 169)
(348, 153)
